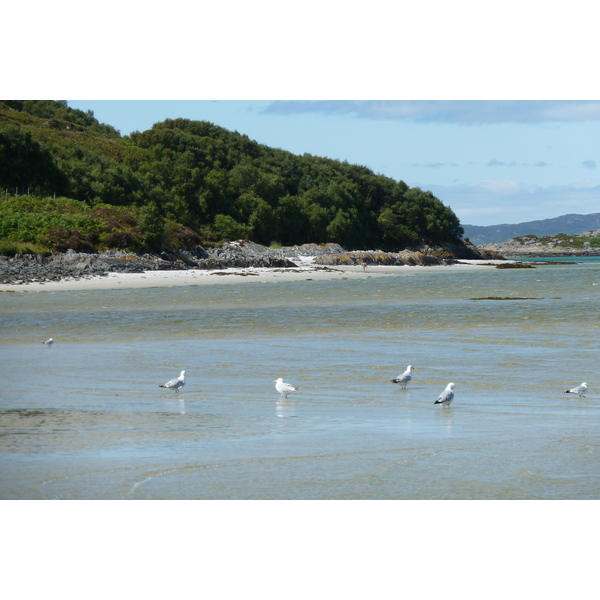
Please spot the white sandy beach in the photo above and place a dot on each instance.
(257, 275)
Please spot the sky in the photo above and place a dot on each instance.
(491, 161)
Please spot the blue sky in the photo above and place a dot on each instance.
(491, 161)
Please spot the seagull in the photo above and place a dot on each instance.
(446, 396)
(404, 378)
(578, 390)
(175, 384)
(284, 388)
(48, 342)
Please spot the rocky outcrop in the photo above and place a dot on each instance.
(377, 257)
(423, 256)
(306, 250)
(234, 254)
(467, 250)
(591, 233)
(23, 268)
(557, 245)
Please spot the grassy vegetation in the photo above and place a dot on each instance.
(31, 225)
(561, 240)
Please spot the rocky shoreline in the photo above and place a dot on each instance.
(29, 268)
(550, 246)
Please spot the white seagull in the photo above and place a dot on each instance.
(284, 388)
(48, 342)
(405, 377)
(175, 384)
(446, 396)
(579, 390)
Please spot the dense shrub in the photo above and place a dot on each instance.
(64, 239)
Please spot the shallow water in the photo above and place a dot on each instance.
(86, 419)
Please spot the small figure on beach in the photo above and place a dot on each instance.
(579, 390)
(404, 378)
(364, 264)
(48, 342)
(284, 388)
(175, 384)
(446, 396)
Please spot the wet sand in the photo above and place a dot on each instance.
(233, 275)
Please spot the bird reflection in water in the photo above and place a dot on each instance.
(285, 408)
(447, 421)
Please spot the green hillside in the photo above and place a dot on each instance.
(68, 181)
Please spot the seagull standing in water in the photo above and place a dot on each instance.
(175, 384)
(579, 390)
(404, 378)
(284, 388)
(446, 396)
(48, 342)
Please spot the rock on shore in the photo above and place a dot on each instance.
(23, 268)
(422, 256)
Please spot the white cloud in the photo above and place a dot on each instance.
(498, 163)
(591, 186)
(494, 186)
(436, 165)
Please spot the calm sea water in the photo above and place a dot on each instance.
(86, 419)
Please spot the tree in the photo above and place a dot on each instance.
(291, 221)
(340, 228)
(263, 223)
(227, 228)
(152, 225)
(393, 232)
(27, 165)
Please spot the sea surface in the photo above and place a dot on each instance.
(86, 419)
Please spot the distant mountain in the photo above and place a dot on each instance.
(570, 224)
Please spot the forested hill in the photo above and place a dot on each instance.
(69, 181)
